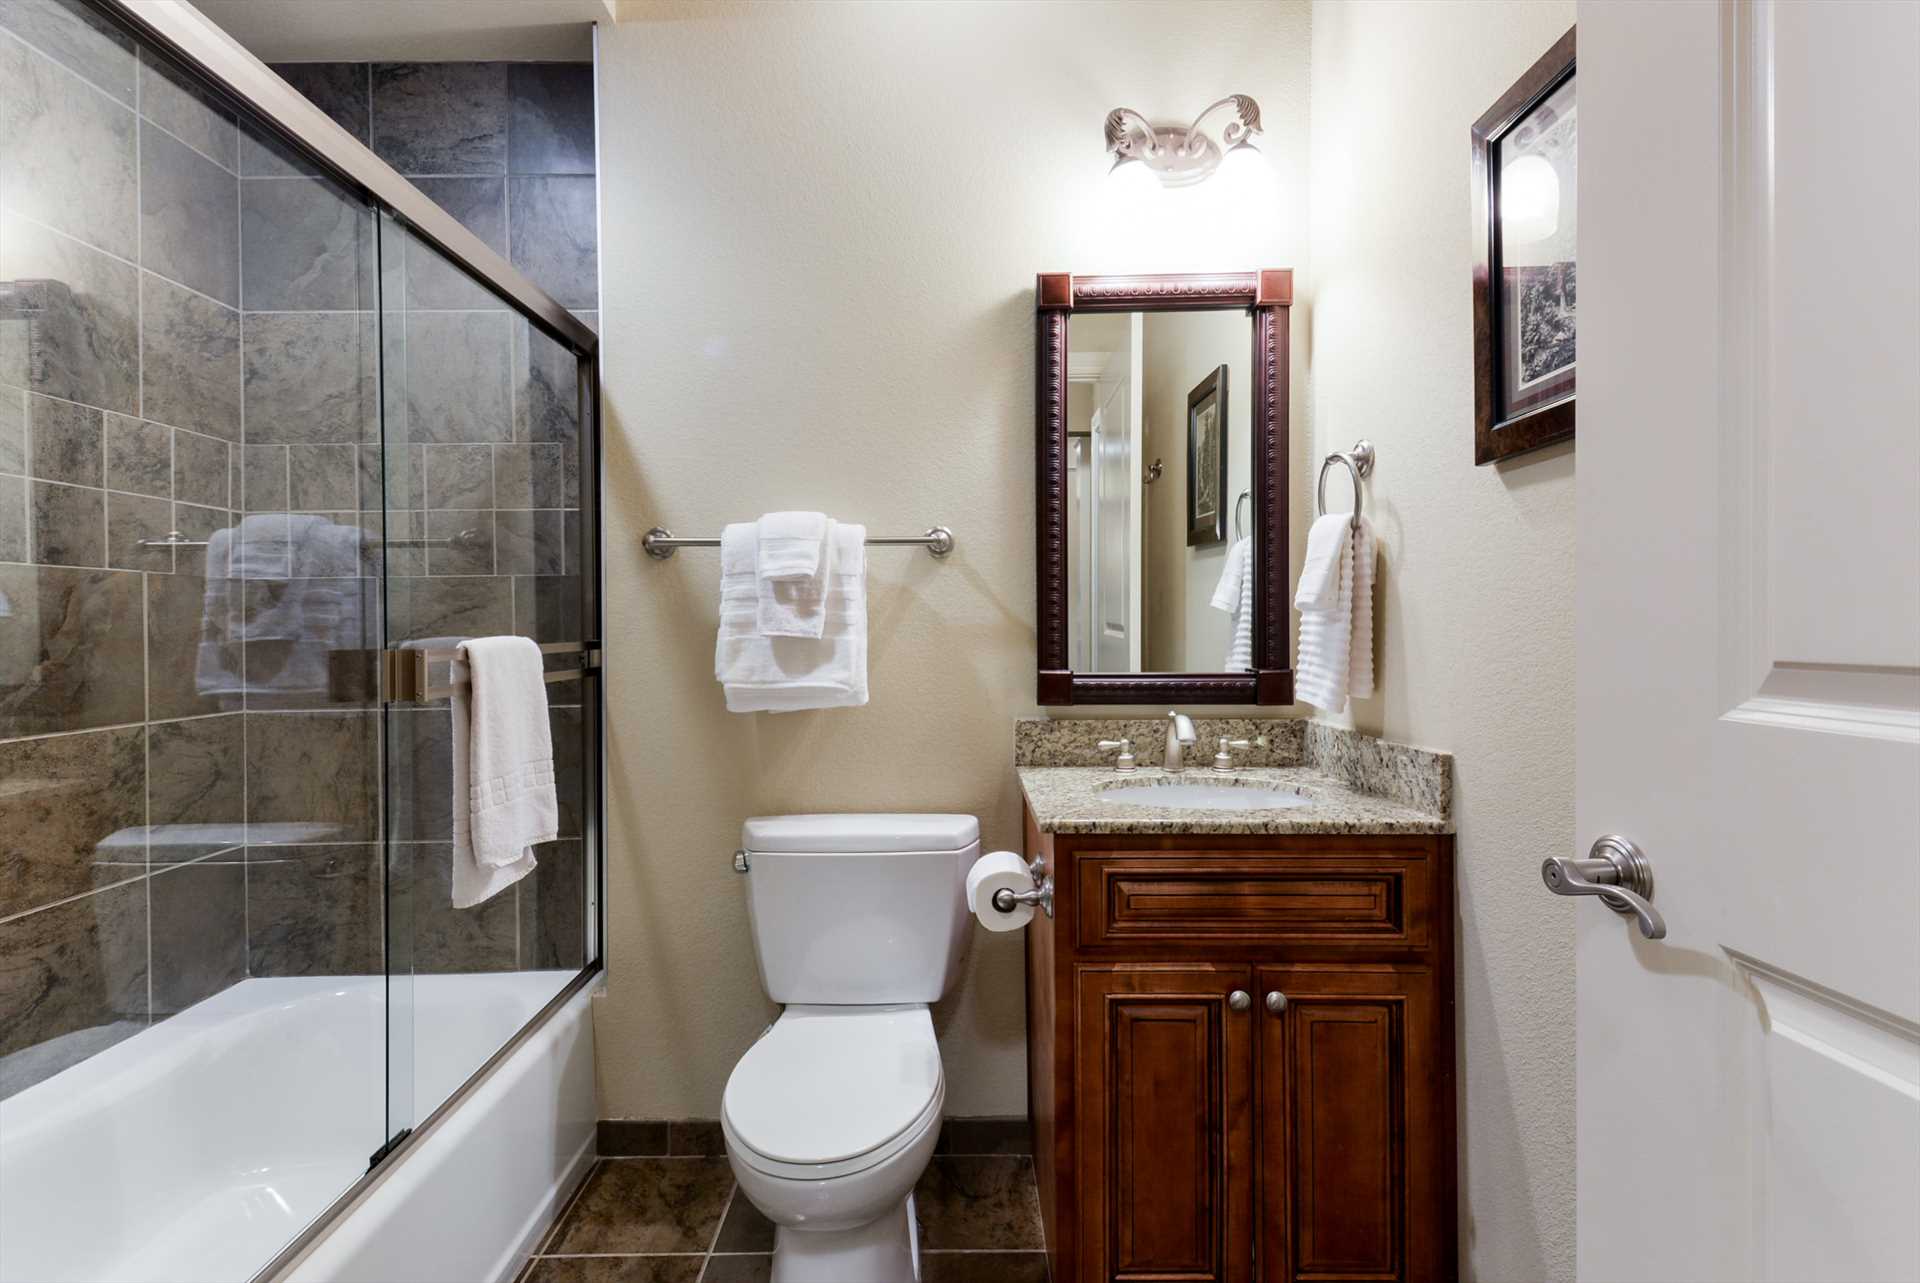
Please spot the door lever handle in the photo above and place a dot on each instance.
(1615, 870)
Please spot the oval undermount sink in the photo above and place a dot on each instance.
(1205, 797)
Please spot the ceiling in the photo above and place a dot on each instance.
(437, 30)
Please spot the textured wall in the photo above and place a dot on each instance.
(1475, 605)
(820, 230)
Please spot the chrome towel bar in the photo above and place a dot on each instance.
(1359, 461)
(406, 670)
(465, 539)
(661, 543)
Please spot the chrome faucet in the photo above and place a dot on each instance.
(1180, 733)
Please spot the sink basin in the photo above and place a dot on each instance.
(1210, 796)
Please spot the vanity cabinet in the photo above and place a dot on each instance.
(1242, 1057)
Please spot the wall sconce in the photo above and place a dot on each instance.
(1182, 155)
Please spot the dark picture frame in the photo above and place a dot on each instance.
(1267, 297)
(1207, 460)
(1523, 314)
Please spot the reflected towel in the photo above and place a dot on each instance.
(1234, 594)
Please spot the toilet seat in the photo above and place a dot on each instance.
(830, 1091)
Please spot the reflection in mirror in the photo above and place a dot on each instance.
(1159, 509)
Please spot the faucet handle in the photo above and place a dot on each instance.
(1125, 762)
(1223, 760)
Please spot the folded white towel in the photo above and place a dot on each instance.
(762, 673)
(793, 556)
(1336, 639)
(1319, 574)
(504, 798)
(1234, 594)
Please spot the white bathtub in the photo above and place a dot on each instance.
(198, 1149)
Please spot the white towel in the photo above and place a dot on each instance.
(504, 799)
(1234, 594)
(1319, 575)
(784, 674)
(792, 558)
(1336, 633)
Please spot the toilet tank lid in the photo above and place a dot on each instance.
(853, 833)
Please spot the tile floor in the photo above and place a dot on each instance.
(660, 1206)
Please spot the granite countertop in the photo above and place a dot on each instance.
(1069, 799)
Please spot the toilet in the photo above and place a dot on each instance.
(858, 923)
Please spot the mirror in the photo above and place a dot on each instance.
(1159, 492)
(1162, 424)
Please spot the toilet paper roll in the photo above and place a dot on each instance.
(989, 874)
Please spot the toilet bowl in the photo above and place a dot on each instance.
(859, 922)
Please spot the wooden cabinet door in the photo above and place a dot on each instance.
(1163, 1078)
(1353, 1073)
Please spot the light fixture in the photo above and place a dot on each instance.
(1182, 155)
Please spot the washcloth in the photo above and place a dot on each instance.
(1336, 632)
(1234, 594)
(762, 673)
(504, 797)
(1319, 573)
(793, 557)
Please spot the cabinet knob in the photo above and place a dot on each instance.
(1239, 1000)
(1276, 1001)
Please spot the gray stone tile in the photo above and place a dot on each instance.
(190, 373)
(556, 236)
(199, 923)
(131, 518)
(324, 478)
(441, 117)
(68, 152)
(314, 910)
(263, 546)
(529, 476)
(77, 38)
(553, 909)
(402, 485)
(422, 773)
(189, 217)
(67, 442)
(528, 543)
(174, 102)
(462, 542)
(65, 794)
(73, 981)
(476, 606)
(312, 378)
(337, 88)
(432, 281)
(196, 774)
(547, 608)
(200, 466)
(203, 523)
(69, 525)
(322, 665)
(546, 402)
(446, 940)
(13, 518)
(551, 110)
(307, 247)
(314, 768)
(456, 383)
(139, 456)
(330, 544)
(13, 429)
(193, 658)
(263, 478)
(459, 476)
(82, 317)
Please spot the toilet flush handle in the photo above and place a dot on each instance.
(740, 864)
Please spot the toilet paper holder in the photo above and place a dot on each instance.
(1006, 900)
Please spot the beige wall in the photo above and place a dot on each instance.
(1475, 606)
(820, 228)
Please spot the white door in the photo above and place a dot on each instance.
(1117, 505)
(1748, 629)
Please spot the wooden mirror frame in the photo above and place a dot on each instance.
(1268, 298)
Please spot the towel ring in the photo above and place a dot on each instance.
(1239, 526)
(1359, 461)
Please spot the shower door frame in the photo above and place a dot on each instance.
(194, 42)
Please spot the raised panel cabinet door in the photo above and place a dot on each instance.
(1163, 1114)
(1350, 1084)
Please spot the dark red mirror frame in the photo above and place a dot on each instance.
(1268, 297)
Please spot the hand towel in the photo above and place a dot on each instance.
(1336, 639)
(792, 559)
(1234, 594)
(777, 674)
(504, 798)
(1319, 577)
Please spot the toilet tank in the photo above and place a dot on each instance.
(859, 909)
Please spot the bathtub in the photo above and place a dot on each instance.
(201, 1147)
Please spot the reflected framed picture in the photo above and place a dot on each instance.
(1525, 150)
(1207, 460)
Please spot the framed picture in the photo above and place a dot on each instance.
(1524, 165)
(1207, 460)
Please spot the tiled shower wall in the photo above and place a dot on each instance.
(189, 776)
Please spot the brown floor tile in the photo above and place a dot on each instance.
(979, 1204)
(647, 1205)
(631, 1137)
(985, 1136)
(738, 1269)
(614, 1269)
(696, 1136)
(746, 1229)
(981, 1267)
